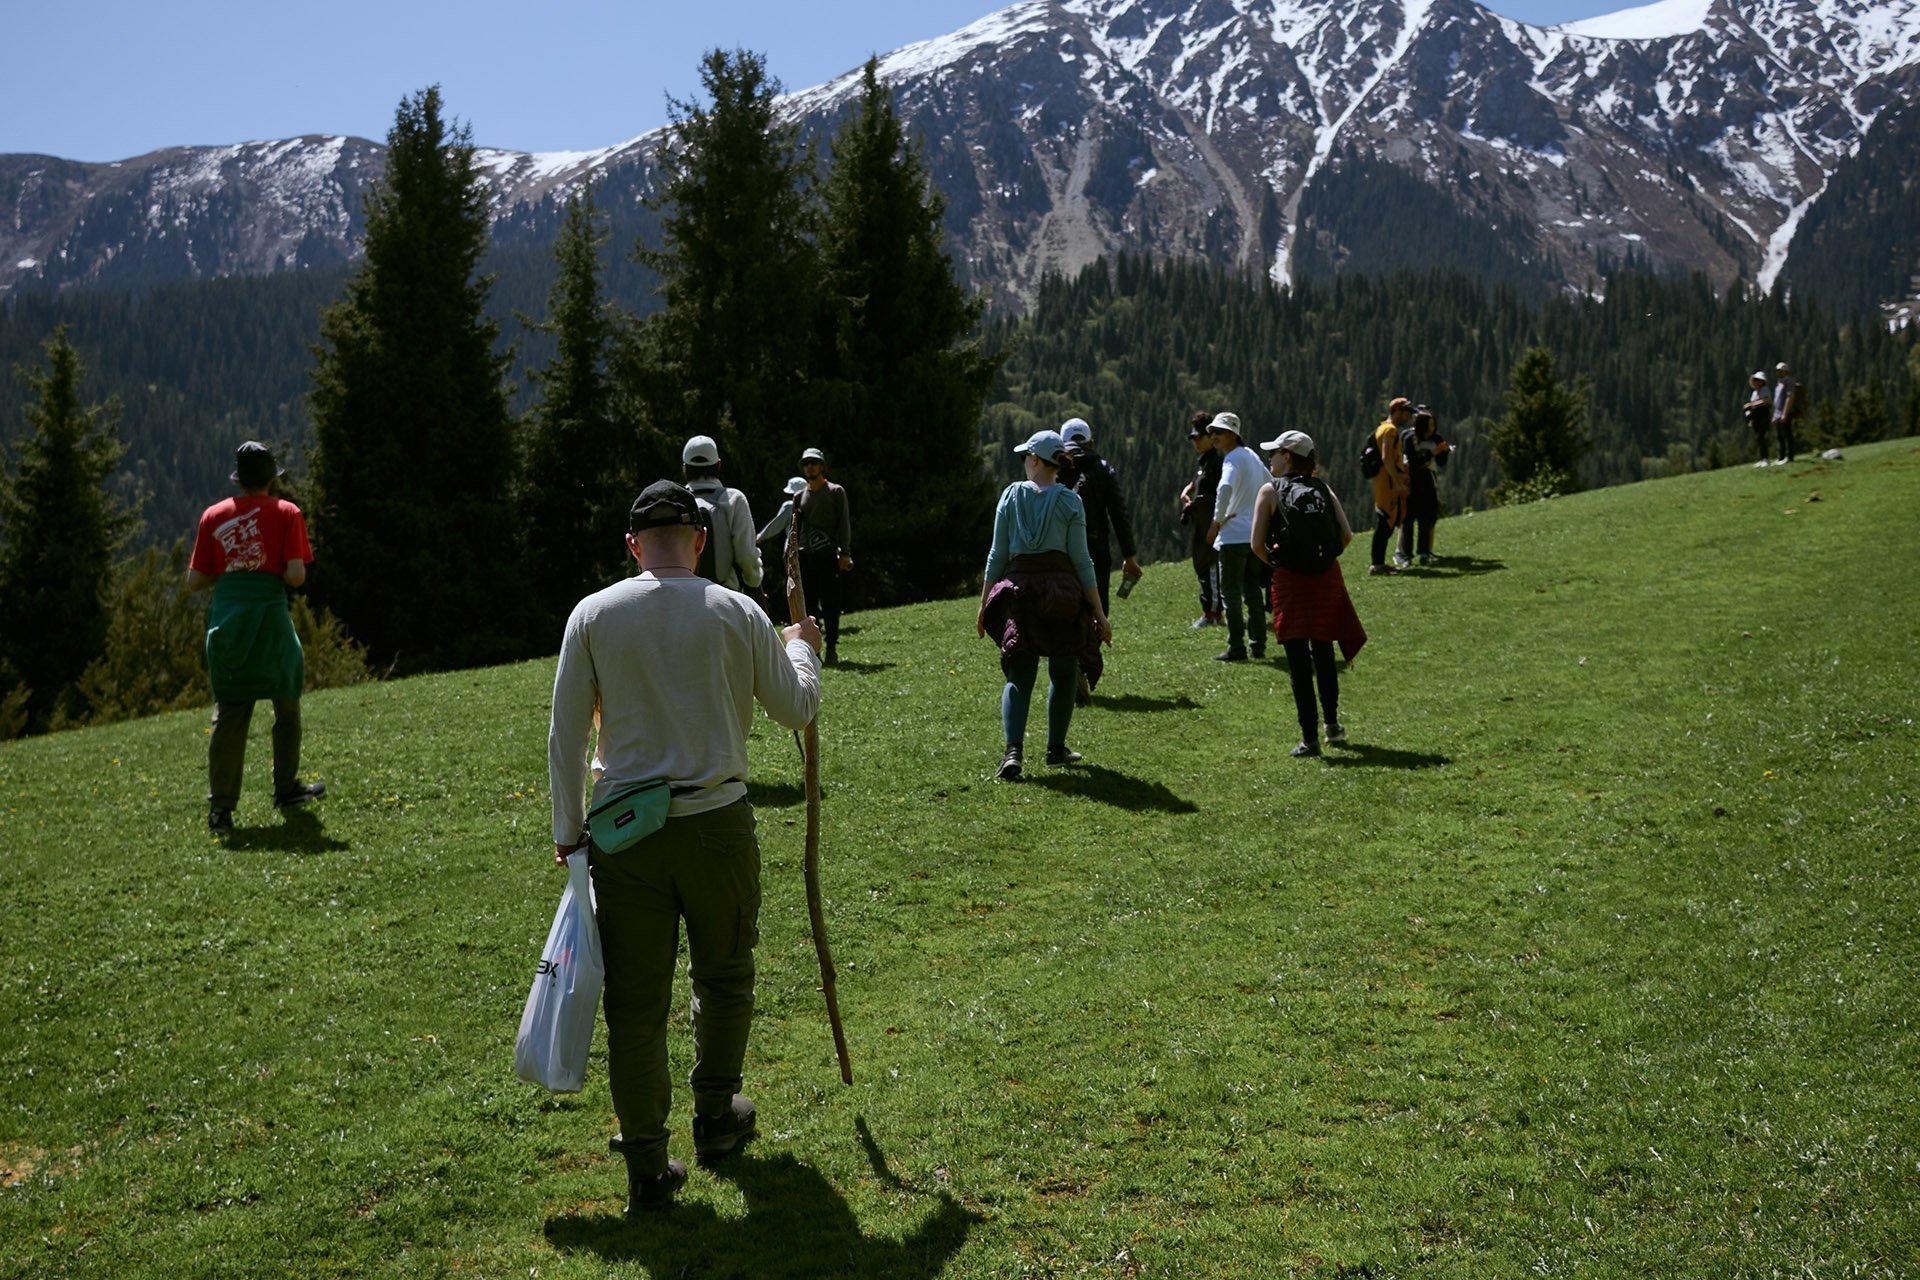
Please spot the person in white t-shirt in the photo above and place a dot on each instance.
(1243, 576)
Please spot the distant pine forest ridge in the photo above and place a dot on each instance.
(1132, 345)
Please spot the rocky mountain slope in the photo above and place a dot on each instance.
(1689, 134)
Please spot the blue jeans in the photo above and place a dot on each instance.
(1022, 670)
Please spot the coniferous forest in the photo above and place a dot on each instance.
(1137, 347)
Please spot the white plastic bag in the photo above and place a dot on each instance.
(557, 1027)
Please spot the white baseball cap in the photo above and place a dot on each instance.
(1297, 443)
(1076, 431)
(701, 451)
(1043, 444)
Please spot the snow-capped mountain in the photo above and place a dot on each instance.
(1692, 134)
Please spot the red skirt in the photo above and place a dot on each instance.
(1316, 607)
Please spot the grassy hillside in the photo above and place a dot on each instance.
(1593, 955)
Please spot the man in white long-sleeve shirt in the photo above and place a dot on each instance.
(1243, 579)
(670, 665)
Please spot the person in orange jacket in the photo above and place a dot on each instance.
(1391, 483)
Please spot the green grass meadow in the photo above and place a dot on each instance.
(1595, 954)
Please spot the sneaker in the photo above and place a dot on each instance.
(1336, 733)
(1009, 770)
(1401, 560)
(1062, 756)
(1204, 620)
(1380, 570)
(1305, 749)
(1230, 656)
(219, 822)
(1259, 653)
(1426, 559)
(306, 793)
(833, 655)
(716, 1136)
(1761, 465)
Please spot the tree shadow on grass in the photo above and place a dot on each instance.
(796, 1224)
(1135, 702)
(1361, 755)
(775, 795)
(1109, 786)
(299, 831)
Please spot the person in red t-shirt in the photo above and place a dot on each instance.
(250, 549)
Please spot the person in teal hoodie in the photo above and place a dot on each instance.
(1040, 599)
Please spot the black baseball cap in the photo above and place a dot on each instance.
(663, 504)
(253, 465)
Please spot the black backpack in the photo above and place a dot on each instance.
(713, 515)
(1304, 534)
(1370, 460)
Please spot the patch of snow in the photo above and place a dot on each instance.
(1146, 177)
(26, 264)
(1659, 21)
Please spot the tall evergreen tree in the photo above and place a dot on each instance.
(737, 275)
(898, 362)
(1542, 435)
(59, 531)
(414, 450)
(577, 480)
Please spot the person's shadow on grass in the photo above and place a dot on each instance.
(1362, 755)
(1110, 786)
(796, 1224)
(1455, 567)
(775, 795)
(299, 831)
(1138, 702)
(860, 668)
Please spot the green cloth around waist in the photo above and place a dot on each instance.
(252, 651)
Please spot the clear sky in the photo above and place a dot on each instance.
(111, 79)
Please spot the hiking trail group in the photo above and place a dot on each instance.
(658, 674)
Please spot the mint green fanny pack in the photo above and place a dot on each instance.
(629, 815)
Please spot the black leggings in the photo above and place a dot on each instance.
(1308, 662)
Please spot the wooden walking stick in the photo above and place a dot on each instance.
(810, 769)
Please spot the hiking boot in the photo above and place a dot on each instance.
(716, 1136)
(648, 1192)
(1336, 733)
(1230, 656)
(1062, 756)
(219, 822)
(1009, 770)
(1305, 749)
(305, 793)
